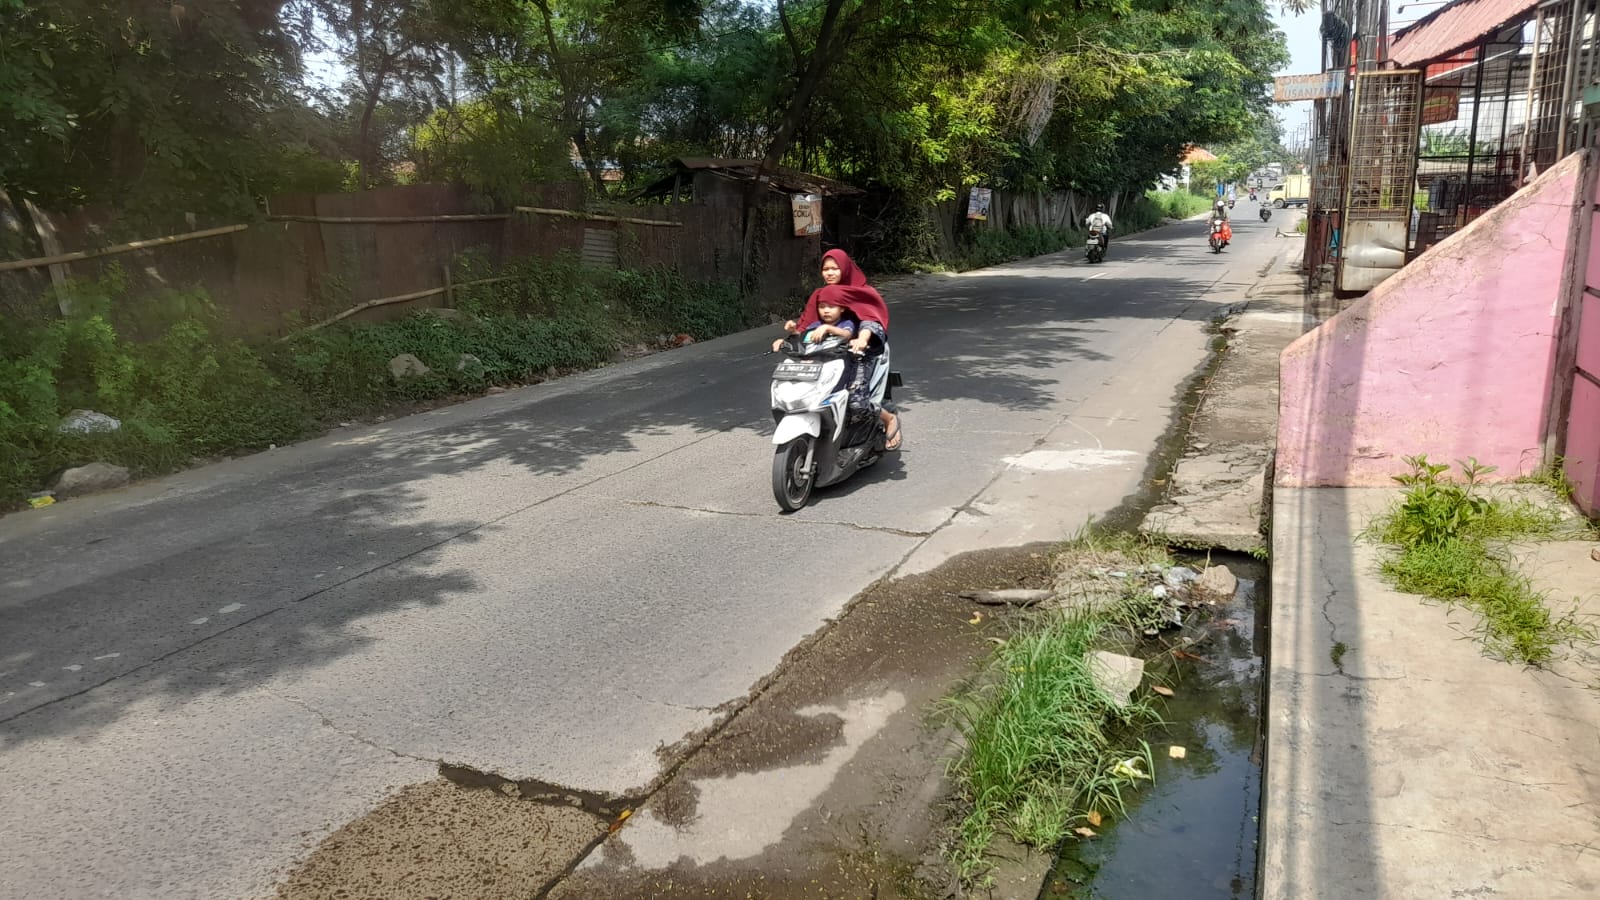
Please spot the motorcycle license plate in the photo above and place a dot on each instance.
(792, 370)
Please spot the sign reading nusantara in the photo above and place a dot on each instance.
(1321, 86)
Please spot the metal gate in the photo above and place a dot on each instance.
(1385, 122)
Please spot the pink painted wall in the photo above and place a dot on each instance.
(1582, 450)
(1582, 459)
(1451, 357)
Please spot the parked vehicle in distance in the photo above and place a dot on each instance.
(1293, 190)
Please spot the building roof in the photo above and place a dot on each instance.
(785, 181)
(1454, 27)
(1199, 154)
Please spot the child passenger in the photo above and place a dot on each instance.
(832, 324)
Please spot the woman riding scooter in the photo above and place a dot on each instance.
(846, 285)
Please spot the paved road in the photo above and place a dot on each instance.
(203, 676)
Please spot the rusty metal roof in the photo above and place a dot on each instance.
(1460, 24)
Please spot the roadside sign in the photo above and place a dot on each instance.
(1294, 88)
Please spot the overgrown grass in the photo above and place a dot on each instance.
(1451, 539)
(1177, 204)
(184, 390)
(1045, 747)
(992, 247)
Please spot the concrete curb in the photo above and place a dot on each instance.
(1217, 491)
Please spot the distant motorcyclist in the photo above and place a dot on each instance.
(1221, 232)
(1099, 219)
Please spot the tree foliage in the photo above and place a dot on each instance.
(210, 102)
(148, 107)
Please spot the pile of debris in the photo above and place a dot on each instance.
(1102, 581)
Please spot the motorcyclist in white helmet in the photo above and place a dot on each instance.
(1100, 219)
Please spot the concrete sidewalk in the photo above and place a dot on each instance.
(1401, 761)
(1215, 492)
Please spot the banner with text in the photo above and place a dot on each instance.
(1294, 88)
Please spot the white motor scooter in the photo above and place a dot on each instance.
(816, 445)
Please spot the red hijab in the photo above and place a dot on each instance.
(852, 292)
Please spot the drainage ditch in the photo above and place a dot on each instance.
(1194, 832)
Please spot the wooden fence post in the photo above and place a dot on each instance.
(46, 230)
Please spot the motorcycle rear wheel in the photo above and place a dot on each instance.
(791, 484)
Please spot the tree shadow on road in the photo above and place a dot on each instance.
(255, 574)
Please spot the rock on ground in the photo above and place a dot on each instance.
(87, 421)
(1117, 675)
(406, 366)
(88, 479)
(1219, 581)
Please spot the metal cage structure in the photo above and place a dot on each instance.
(1498, 112)
(1386, 109)
(1498, 93)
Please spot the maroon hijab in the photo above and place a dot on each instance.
(852, 292)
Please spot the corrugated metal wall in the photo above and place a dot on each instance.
(276, 274)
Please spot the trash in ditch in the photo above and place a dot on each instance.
(1094, 818)
(1129, 768)
(617, 825)
(1162, 689)
(976, 618)
(1177, 752)
(1083, 831)
(41, 502)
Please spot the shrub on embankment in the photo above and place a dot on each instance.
(990, 247)
(183, 390)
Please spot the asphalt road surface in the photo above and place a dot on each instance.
(203, 676)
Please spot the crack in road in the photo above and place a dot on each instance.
(328, 723)
(881, 529)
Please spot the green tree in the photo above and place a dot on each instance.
(393, 51)
(155, 109)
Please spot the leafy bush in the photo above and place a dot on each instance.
(1175, 204)
(991, 247)
(184, 394)
(183, 391)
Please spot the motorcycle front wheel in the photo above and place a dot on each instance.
(1216, 246)
(791, 483)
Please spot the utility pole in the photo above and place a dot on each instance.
(1372, 18)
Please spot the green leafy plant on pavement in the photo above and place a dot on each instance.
(1450, 540)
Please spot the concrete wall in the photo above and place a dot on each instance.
(1451, 358)
(1581, 452)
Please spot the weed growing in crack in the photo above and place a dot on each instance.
(1451, 538)
(1336, 653)
(1553, 477)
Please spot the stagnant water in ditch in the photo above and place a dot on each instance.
(1193, 833)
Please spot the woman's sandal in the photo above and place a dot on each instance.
(892, 440)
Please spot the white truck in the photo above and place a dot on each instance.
(1293, 190)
